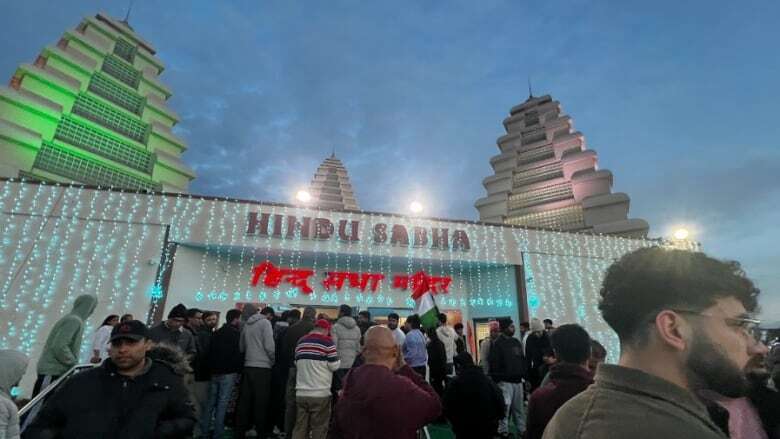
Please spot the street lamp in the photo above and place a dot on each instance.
(415, 207)
(303, 196)
(681, 234)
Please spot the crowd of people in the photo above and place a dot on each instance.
(689, 366)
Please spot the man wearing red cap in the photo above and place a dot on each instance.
(316, 360)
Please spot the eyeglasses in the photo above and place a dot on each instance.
(746, 324)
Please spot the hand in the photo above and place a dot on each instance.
(399, 361)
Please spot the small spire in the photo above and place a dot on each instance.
(333, 154)
(530, 93)
(127, 15)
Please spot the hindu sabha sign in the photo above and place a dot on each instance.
(291, 227)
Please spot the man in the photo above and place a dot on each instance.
(507, 368)
(484, 346)
(13, 365)
(414, 349)
(210, 320)
(194, 320)
(281, 370)
(129, 396)
(548, 325)
(525, 331)
(392, 325)
(63, 345)
(447, 336)
(126, 318)
(364, 321)
(472, 402)
(256, 342)
(289, 343)
(384, 398)
(537, 343)
(598, 355)
(683, 320)
(224, 362)
(315, 360)
(346, 338)
(171, 331)
(568, 377)
(460, 341)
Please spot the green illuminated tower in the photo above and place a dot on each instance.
(91, 110)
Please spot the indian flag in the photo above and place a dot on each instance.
(425, 306)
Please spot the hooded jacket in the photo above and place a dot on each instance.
(13, 364)
(100, 403)
(61, 351)
(346, 336)
(257, 342)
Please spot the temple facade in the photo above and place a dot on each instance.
(330, 188)
(92, 110)
(545, 177)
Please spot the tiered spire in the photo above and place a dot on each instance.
(330, 187)
(545, 177)
(91, 110)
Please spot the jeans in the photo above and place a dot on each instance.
(220, 390)
(513, 398)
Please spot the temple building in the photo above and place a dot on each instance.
(92, 110)
(546, 177)
(330, 188)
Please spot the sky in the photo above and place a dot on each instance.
(679, 99)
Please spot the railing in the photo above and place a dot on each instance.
(28, 412)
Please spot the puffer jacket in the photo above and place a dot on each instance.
(101, 403)
(13, 364)
(61, 351)
(346, 336)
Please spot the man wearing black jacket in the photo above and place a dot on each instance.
(507, 368)
(223, 362)
(129, 396)
(472, 402)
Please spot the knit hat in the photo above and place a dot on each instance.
(493, 326)
(504, 323)
(324, 324)
(178, 312)
(248, 311)
(536, 325)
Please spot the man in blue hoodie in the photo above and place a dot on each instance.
(257, 345)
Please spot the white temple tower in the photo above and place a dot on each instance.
(330, 188)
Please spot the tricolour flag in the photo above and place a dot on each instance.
(425, 306)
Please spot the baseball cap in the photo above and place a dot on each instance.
(134, 330)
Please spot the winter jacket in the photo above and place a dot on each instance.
(257, 342)
(378, 403)
(629, 403)
(566, 381)
(346, 337)
(415, 353)
(100, 403)
(203, 342)
(100, 340)
(473, 404)
(315, 360)
(181, 337)
(13, 365)
(290, 341)
(447, 335)
(484, 354)
(225, 355)
(437, 358)
(61, 351)
(506, 360)
(460, 345)
(536, 345)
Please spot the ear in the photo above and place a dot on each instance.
(672, 330)
(148, 344)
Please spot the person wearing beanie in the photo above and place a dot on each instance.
(289, 343)
(346, 337)
(172, 331)
(62, 348)
(485, 344)
(536, 345)
(507, 368)
(316, 359)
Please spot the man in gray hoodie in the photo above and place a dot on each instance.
(13, 364)
(257, 345)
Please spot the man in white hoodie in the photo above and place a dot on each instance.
(346, 337)
(257, 345)
(447, 335)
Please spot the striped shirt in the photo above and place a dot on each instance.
(315, 359)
